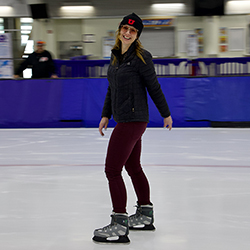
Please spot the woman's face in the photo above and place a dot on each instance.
(128, 34)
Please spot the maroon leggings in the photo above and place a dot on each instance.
(125, 150)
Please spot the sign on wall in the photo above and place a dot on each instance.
(107, 45)
(192, 45)
(6, 56)
(223, 39)
(199, 33)
(182, 40)
(158, 22)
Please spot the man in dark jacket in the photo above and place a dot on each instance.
(40, 61)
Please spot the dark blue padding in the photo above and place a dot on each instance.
(174, 91)
(30, 103)
(222, 99)
(79, 102)
(84, 99)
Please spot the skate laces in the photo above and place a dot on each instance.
(112, 223)
(107, 227)
(137, 212)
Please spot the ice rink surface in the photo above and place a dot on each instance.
(54, 193)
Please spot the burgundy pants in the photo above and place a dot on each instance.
(125, 150)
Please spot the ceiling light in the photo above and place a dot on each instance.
(77, 8)
(168, 8)
(6, 10)
(25, 31)
(168, 1)
(26, 20)
(26, 27)
(237, 7)
(168, 5)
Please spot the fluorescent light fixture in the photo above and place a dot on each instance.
(168, 8)
(167, 1)
(26, 20)
(26, 27)
(29, 47)
(24, 39)
(161, 6)
(5, 10)
(237, 7)
(25, 31)
(75, 8)
(78, 10)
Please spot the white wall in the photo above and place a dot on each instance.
(186, 23)
(57, 30)
(100, 28)
(236, 21)
(45, 30)
(211, 26)
(67, 30)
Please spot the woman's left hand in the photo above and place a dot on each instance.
(168, 122)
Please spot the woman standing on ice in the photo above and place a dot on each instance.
(131, 74)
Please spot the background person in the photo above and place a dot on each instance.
(40, 61)
(131, 74)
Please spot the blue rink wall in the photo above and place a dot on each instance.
(193, 102)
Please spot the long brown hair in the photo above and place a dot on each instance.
(138, 48)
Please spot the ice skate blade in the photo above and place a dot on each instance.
(120, 240)
(145, 228)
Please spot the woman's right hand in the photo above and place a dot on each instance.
(103, 124)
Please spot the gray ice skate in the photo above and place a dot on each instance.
(143, 219)
(116, 232)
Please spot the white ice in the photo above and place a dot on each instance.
(53, 190)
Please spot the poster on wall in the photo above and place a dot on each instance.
(6, 69)
(182, 40)
(223, 39)
(192, 45)
(107, 45)
(6, 56)
(223, 48)
(199, 33)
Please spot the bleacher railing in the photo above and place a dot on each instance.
(222, 66)
(163, 67)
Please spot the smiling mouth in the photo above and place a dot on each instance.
(127, 38)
